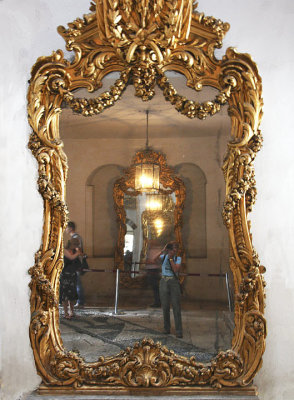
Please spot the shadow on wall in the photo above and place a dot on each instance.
(104, 219)
(194, 216)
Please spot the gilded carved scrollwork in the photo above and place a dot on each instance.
(141, 41)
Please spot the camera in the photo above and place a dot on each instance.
(169, 246)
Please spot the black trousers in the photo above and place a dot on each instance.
(153, 278)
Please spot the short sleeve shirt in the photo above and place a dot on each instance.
(166, 268)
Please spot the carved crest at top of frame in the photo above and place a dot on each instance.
(142, 40)
(145, 36)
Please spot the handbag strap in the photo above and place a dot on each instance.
(171, 266)
(175, 275)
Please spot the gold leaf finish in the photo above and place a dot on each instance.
(142, 40)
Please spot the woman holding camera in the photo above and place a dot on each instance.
(169, 287)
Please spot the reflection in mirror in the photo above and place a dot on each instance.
(149, 198)
(100, 149)
(149, 217)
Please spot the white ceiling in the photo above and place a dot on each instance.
(127, 118)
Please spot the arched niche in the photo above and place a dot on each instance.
(100, 211)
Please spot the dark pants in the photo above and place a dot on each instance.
(170, 293)
(153, 278)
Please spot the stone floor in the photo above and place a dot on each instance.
(113, 397)
(97, 332)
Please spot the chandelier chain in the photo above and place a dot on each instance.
(147, 129)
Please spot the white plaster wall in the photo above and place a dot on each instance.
(262, 28)
(28, 30)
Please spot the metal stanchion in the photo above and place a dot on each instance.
(117, 294)
(116, 291)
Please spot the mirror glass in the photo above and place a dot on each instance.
(99, 150)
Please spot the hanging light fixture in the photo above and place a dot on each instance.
(147, 173)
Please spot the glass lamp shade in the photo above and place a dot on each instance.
(147, 177)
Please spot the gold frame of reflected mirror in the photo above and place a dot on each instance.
(169, 184)
(142, 41)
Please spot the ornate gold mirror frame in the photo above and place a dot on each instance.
(126, 185)
(143, 40)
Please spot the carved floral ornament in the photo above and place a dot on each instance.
(142, 40)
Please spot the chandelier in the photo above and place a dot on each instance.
(147, 173)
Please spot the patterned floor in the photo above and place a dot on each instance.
(96, 331)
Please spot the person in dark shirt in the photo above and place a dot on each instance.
(68, 277)
(71, 231)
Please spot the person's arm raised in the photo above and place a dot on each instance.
(175, 265)
(157, 256)
(72, 256)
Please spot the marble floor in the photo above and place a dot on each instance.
(35, 396)
(97, 332)
(219, 396)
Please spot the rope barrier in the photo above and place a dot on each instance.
(118, 272)
(146, 271)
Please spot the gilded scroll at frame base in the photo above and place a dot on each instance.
(143, 40)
